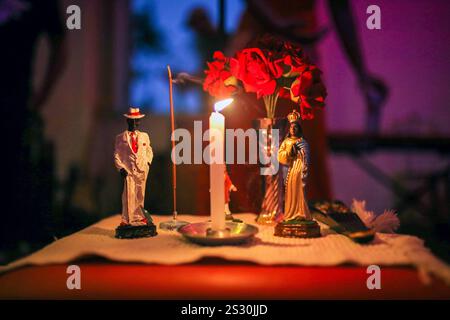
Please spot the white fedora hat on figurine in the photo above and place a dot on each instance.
(134, 113)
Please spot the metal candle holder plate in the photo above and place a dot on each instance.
(237, 233)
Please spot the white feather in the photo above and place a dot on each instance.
(359, 207)
(387, 222)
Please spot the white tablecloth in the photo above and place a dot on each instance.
(171, 248)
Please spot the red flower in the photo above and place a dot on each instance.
(219, 81)
(309, 90)
(255, 73)
(290, 48)
(284, 93)
(294, 65)
(271, 67)
(277, 67)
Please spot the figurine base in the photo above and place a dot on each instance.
(298, 229)
(172, 225)
(268, 219)
(133, 232)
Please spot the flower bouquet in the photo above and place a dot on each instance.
(275, 69)
(272, 69)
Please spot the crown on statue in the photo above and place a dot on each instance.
(293, 116)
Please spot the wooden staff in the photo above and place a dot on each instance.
(172, 123)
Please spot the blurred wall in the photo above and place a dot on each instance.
(411, 53)
(84, 100)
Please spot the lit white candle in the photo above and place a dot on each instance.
(217, 165)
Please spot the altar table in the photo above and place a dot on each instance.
(170, 267)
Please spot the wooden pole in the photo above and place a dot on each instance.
(172, 123)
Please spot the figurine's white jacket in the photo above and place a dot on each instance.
(137, 167)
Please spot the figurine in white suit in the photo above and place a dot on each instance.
(133, 156)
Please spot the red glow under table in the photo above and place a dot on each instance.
(215, 279)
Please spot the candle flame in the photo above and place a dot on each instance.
(222, 104)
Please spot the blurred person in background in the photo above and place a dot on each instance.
(296, 21)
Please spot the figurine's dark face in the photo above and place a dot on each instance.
(295, 130)
(133, 124)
